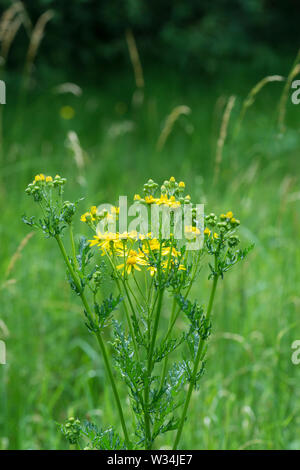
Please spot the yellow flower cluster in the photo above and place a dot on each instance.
(41, 179)
(41, 183)
(116, 238)
(225, 224)
(115, 244)
(171, 194)
(229, 218)
(89, 215)
(138, 250)
(162, 200)
(47, 179)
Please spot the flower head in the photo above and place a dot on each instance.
(133, 262)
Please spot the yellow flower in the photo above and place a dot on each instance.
(167, 250)
(154, 244)
(48, 179)
(150, 199)
(162, 200)
(229, 215)
(133, 261)
(115, 210)
(181, 268)
(152, 270)
(104, 240)
(189, 229)
(173, 203)
(168, 263)
(84, 217)
(181, 184)
(133, 235)
(137, 197)
(216, 235)
(88, 216)
(142, 237)
(40, 177)
(206, 231)
(124, 236)
(172, 179)
(67, 112)
(168, 202)
(93, 211)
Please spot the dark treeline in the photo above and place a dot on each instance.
(173, 31)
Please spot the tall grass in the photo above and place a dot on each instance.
(249, 397)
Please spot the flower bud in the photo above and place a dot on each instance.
(69, 209)
(233, 240)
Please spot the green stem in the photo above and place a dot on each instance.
(73, 246)
(67, 261)
(114, 388)
(129, 320)
(174, 318)
(128, 317)
(146, 416)
(146, 388)
(139, 289)
(196, 365)
(124, 304)
(155, 328)
(99, 338)
(148, 444)
(163, 376)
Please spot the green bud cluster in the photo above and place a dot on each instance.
(233, 241)
(41, 183)
(57, 214)
(68, 209)
(97, 277)
(211, 219)
(234, 222)
(71, 430)
(223, 227)
(222, 237)
(150, 187)
(172, 188)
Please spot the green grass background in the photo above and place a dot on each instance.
(249, 396)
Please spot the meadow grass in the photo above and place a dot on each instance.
(249, 395)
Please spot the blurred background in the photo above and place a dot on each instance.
(109, 94)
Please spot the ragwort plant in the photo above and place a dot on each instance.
(150, 273)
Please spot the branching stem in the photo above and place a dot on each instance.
(99, 339)
(196, 365)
